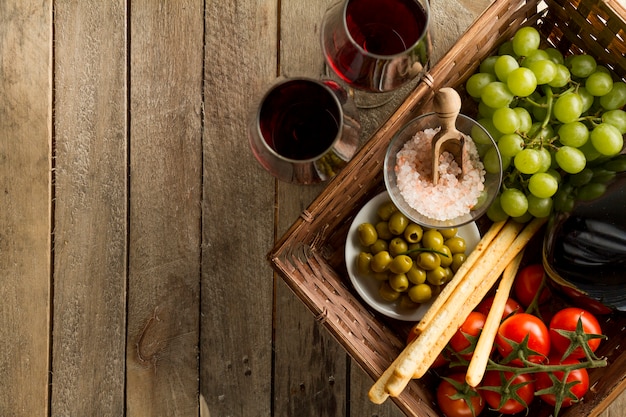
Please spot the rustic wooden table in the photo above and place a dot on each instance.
(134, 221)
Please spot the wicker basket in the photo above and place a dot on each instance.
(310, 255)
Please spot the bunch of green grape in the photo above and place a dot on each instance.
(550, 115)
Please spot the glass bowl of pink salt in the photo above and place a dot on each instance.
(463, 192)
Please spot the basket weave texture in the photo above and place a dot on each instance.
(310, 256)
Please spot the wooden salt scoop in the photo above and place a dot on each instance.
(448, 106)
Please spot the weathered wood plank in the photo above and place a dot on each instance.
(310, 375)
(166, 55)
(25, 214)
(90, 216)
(238, 213)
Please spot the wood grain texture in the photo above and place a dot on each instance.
(91, 209)
(166, 55)
(238, 213)
(25, 197)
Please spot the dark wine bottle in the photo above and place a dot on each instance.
(584, 251)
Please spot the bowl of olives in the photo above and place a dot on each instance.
(398, 266)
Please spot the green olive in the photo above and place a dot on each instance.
(432, 239)
(413, 233)
(420, 293)
(436, 276)
(367, 234)
(388, 293)
(401, 264)
(385, 210)
(428, 260)
(399, 282)
(381, 261)
(449, 274)
(416, 275)
(381, 276)
(457, 261)
(449, 232)
(456, 244)
(379, 246)
(407, 303)
(363, 262)
(447, 259)
(397, 223)
(382, 228)
(397, 245)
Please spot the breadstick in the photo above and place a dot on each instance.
(478, 363)
(460, 274)
(485, 280)
(461, 302)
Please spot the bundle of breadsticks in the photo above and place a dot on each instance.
(499, 252)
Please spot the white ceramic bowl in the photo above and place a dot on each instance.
(367, 286)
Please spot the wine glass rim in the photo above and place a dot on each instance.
(285, 80)
(423, 4)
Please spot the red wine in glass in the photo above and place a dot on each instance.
(377, 45)
(304, 130)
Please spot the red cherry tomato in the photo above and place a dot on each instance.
(522, 387)
(516, 328)
(567, 319)
(463, 341)
(470, 405)
(527, 283)
(511, 307)
(576, 392)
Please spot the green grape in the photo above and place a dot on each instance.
(616, 98)
(581, 178)
(587, 98)
(504, 65)
(496, 95)
(482, 136)
(571, 160)
(491, 161)
(525, 40)
(514, 202)
(573, 134)
(617, 164)
(555, 56)
(607, 139)
(525, 119)
(506, 48)
(522, 82)
(484, 111)
(545, 158)
(539, 207)
(539, 132)
(568, 107)
(544, 70)
(590, 152)
(540, 112)
(542, 185)
(527, 161)
(509, 145)
(476, 82)
(561, 78)
(599, 83)
(582, 66)
(616, 118)
(486, 66)
(495, 212)
(534, 56)
(505, 120)
(591, 191)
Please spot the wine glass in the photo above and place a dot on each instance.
(304, 130)
(376, 46)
